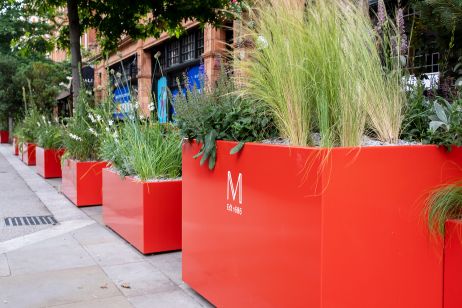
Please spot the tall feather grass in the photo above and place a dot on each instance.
(319, 69)
(445, 203)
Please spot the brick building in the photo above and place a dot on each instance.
(148, 66)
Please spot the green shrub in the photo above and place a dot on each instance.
(28, 130)
(49, 135)
(81, 136)
(445, 123)
(214, 114)
(142, 148)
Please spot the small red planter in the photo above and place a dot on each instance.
(15, 146)
(28, 154)
(278, 226)
(49, 162)
(4, 136)
(82, 182)
(146, 214)
(453, 264)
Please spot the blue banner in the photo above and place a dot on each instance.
(162, 100)
(122, 101)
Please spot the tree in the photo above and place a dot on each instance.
(41, 81)
(21, 36)
(114, 19)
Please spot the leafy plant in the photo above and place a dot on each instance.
(445, 127)
(81, 136)
(28, 130)
(49, 134)
(142, 148)
(217, 113)
(416, 115)
(445, 203)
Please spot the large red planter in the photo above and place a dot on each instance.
(28, 154)
(278, 226)
(146, 214)
(15, 146)
(48, 162)
(4, 136)
(82, 182)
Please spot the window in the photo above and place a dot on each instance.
(173, 53)
(188, 47)
(200, 43)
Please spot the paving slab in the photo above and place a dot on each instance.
(113, 253)
(139, 278)
(112, 302)
(4, 266)
(95, 234)
(56, 288)
(57, 253)
(170, 299)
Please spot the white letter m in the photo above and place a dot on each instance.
(231, 187)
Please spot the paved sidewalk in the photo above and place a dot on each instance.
(78, 262)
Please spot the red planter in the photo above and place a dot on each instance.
(302, 227)
(82, 182)
(28, 154)
(49, 162)
(15, 146)
(146, 214)
(4, 136)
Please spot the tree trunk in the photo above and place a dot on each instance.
(74, 37)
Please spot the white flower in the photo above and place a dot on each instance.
(88, 92)
(69, 78)
(38, 124)
(111, 71)
(151, 106)
(136, 105)
(118, 75)
(107, 129)
(141, 117)
(75, 137)
(110, 122)
(43, 118)
(116, 85)
(93, 132)
(262, 43)
(92, 119)
(98, 117)
(115, 135)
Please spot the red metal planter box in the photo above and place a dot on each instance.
(146, 214)
(28, 154)
(49, 162)
(304, 227)
(15, 146)
(4, 136)
(82, 182)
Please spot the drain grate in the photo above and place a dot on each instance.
(30, 221)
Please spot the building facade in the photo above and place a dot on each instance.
(142, 70)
